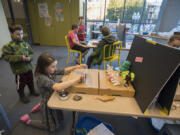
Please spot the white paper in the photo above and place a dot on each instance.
(101, 129)
(43, 10)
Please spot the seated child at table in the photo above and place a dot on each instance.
(97, 55)
(174, 41)
(45, 74)
(74, 42)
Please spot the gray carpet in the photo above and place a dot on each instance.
(15, 109)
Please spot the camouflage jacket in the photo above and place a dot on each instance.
(13, 52)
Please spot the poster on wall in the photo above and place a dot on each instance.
(48, 21)
(59, 12)
(43, 10)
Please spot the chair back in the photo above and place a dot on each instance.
(67, 42)
(110, 51)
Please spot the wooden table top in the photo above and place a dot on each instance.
(151, 36)
(123, 106)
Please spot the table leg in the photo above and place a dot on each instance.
(75, 118)
(4, 116)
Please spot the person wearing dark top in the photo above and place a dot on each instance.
(96, 56)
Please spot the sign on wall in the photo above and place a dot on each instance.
(43, 10)
(48, 21)
(59, 12)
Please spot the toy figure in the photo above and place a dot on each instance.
(125, 66)
(113, 78)
(127, 76)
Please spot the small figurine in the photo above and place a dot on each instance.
(112, 78)
(125, 66)
(109, 69)
(127, 76)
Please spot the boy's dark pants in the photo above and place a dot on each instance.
(90, 60)
(25, 79)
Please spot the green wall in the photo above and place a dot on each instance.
(52, 35)
(4, 31)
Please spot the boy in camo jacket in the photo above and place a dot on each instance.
(19, 54)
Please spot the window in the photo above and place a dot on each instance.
(139, 15)
(150, 15)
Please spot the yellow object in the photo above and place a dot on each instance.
(71, 50)
(150, 41)
(132, 76)
(146, 112)
(164, 111)
(124, 74)
(112, 54)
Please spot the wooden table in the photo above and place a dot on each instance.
(177, 96)
(123, 106)
(151, 36)
(155, 36)
(91, 43)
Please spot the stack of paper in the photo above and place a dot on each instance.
(101, 129)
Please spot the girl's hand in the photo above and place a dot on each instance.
(83, 66)
(80, 78)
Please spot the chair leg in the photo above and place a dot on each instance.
(4, 116)
(119, 62)
(104, 66)
(80, 57)
(111, 63)
(73, 56)
(68, 57)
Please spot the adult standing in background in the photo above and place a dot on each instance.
(81, 30)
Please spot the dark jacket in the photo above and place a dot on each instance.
(97, 54)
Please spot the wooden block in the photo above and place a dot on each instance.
(107, 88)
(89, 86)
(177, 96)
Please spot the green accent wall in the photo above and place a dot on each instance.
(4, 31)
(52, 35)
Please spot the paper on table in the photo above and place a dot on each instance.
(101, 129)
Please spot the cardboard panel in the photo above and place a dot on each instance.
(158, 64)
(167, 94)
